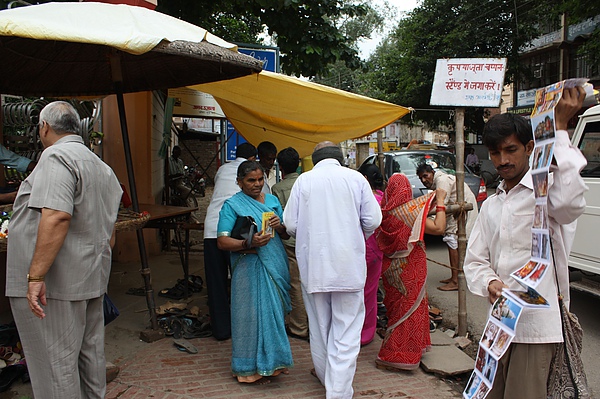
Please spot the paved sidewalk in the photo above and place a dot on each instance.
(161, 371)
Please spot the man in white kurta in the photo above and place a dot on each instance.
(331, 211)
(501, 243)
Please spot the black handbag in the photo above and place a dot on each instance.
(244, 229)
(110, 310)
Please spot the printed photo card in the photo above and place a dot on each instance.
(496, 338)
(507, 312)
(540, 215)
(530, 298)
(546, 98)
(542, 156)
(543, 126)
(485, 366)
(476, 388)
(531, 274)
(540, 245)
(540, 183)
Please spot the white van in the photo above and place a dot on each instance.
(585, 255)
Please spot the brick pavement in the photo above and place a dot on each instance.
(161, 371)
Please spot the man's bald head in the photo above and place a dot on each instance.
(327, 149)
(323, 144)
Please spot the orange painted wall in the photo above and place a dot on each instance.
(138, 110)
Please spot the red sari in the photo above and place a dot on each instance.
(404, 273)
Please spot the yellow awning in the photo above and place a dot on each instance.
(291, 112)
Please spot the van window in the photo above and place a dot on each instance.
(590, 147)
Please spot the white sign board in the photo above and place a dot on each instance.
(195, 104)
(526, 97)
(468, 82)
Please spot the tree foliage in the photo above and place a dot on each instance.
(311, 34)
(402, 68)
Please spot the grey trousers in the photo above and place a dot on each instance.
(65, 350)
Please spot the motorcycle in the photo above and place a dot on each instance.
(192, 179)
(196, 180)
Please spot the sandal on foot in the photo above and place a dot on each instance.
(313, 372)
(449, 287)
(260, 381)
(381, 365)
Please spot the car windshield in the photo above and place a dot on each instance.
(408, 163)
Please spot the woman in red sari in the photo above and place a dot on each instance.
(404, 271)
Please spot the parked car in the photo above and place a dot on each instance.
(407, 161)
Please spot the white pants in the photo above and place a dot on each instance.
(335, 320)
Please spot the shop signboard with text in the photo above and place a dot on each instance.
(468, 82)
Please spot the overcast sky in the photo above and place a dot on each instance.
(368, 46)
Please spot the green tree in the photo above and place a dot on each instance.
(402, 68)
(311, 34)
(347, 77)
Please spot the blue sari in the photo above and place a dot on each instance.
(259, 294)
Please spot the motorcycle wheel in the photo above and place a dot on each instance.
(194, 200)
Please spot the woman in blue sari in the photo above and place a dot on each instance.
(259, 282)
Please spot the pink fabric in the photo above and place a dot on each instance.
(374, 257)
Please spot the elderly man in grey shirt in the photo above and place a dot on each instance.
(59, 258)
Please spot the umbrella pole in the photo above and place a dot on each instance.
(145, 271)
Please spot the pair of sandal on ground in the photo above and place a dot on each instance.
(195, 284)
(178, 323)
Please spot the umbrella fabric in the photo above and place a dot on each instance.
(135, 30)
(291, 112)
(78, 49)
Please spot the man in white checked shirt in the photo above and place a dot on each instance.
(59, 258)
